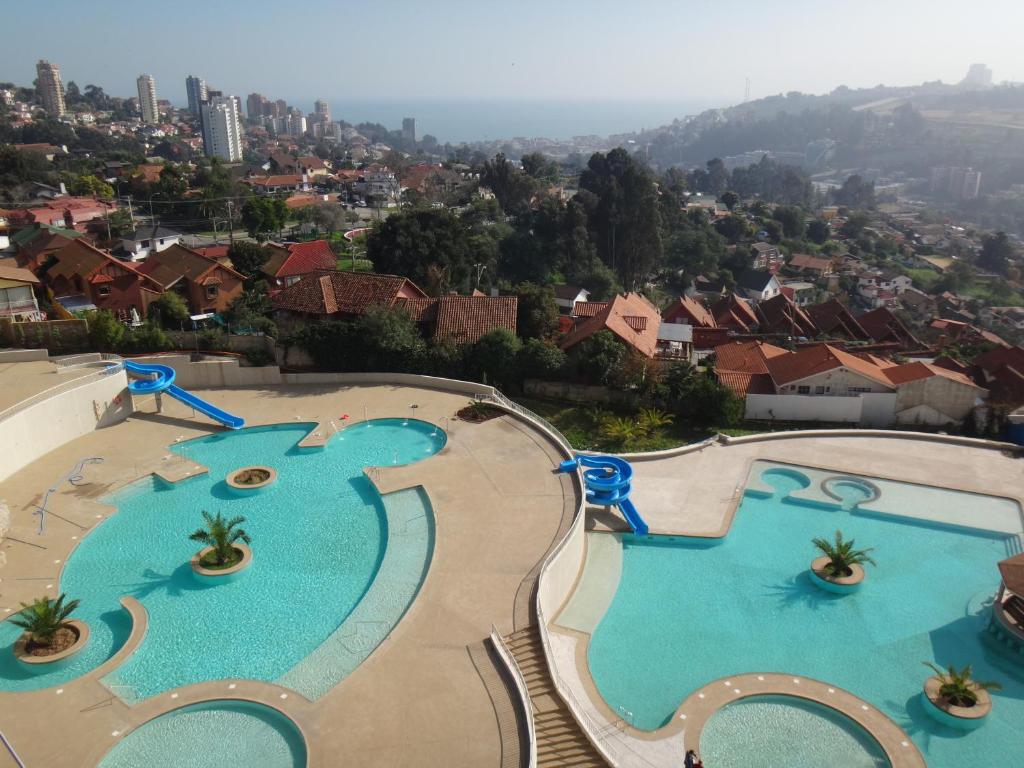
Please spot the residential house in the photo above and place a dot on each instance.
(1001, 371)
(269, 185)
(766, 258)
(289, 263)
(780, 314)
(340, 295)
(5, 230)
(313, 168)
(742, 366)
(378, 185)
(954, 307)
(630, 317)
(17, 293)
(34, 245)
(706, 287)
(82, 277)
(48, 151)
(832, 318)
(918, 304)
(932, 395)
(883, 326)
(1003, 317)
(957, 332)
(757, 285)
(464, 319)
(734, 313)
(812, 266)
(146, 240)
(566, 297)
(688, 311)
(802, 293)
(584, 310)
(675, 341)
(205, 284)
(881, 289)
(70, 212)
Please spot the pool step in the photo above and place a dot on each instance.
(560, 742)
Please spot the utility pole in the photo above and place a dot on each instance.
(131, 213)
(231, 223)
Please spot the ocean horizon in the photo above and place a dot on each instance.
(489, 120)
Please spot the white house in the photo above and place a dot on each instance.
(145, 240)
(566, 297)
(758, 285)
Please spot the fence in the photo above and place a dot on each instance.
(55, 335)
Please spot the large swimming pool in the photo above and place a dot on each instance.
(686, 613)
(334, 565)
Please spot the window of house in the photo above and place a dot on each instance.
(211, 291)
(803, 390)
(104, 290)
(819, 390)
(859, 389)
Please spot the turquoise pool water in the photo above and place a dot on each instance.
(686, 614)
(320, 538)
(764, 731)
(210, 734)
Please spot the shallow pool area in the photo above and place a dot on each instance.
(212, 733)
(335, 565)
(769, 731)
(686, 613)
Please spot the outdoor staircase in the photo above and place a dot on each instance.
(560, 742)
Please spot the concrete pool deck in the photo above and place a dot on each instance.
(419, 698)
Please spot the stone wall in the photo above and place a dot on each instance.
(57, 336)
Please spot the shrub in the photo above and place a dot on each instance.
(540, 359)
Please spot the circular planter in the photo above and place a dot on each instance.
(961, 718)
(40, 664)
(840, 585)
(220, 575)
(249, 480)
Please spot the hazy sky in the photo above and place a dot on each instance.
(688, 51)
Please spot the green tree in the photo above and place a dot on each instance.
(512, 188)
(996, 253)
(247, 257)
(537, 315)
(733, 228)
(537, 166)
(492, 358)
(262, 216)
(222, 535)
(388, 340)
(818, 231)
(730, 200)
(792, 220)
(44, 617)
(88, 184)
(597, 359)
(430, 247)
(105, 331)
(841, 555)
(539, 359)
(169, 311)
(855, 193)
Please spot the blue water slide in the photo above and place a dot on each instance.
(151, 378)
(607, 480)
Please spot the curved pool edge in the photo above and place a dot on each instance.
(285, 703)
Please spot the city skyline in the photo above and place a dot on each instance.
(679, 58)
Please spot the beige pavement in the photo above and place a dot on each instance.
(418, 699)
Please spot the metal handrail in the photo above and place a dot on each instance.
(10, 748)
(524, 692)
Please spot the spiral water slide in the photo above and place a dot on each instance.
(608, 484)
(150, 379)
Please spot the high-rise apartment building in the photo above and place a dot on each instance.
(255, 106)
(50, 88)
(956, 183)
(147, 99)
(322, 110)
(195, 87)
(280, 108)
(409, 128)
(222, 128)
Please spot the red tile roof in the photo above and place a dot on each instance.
(350, 293)
(832, 317)
(901, 374)
(744, 384)
(464, 319)
(746, 356)
(588, 308)
(614, 318)
(695, 311)
(735, 312)
(883, 325)
(302, 259)
(785, 369)
(780, 314)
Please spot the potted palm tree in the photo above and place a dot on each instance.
(840, 568)
(955, 699)
(50, 636)
(225, 554)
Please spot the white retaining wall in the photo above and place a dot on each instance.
(870, 410)
(28, 433)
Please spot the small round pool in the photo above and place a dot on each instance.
(223, 732)
(785, 480)
(767, 731)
